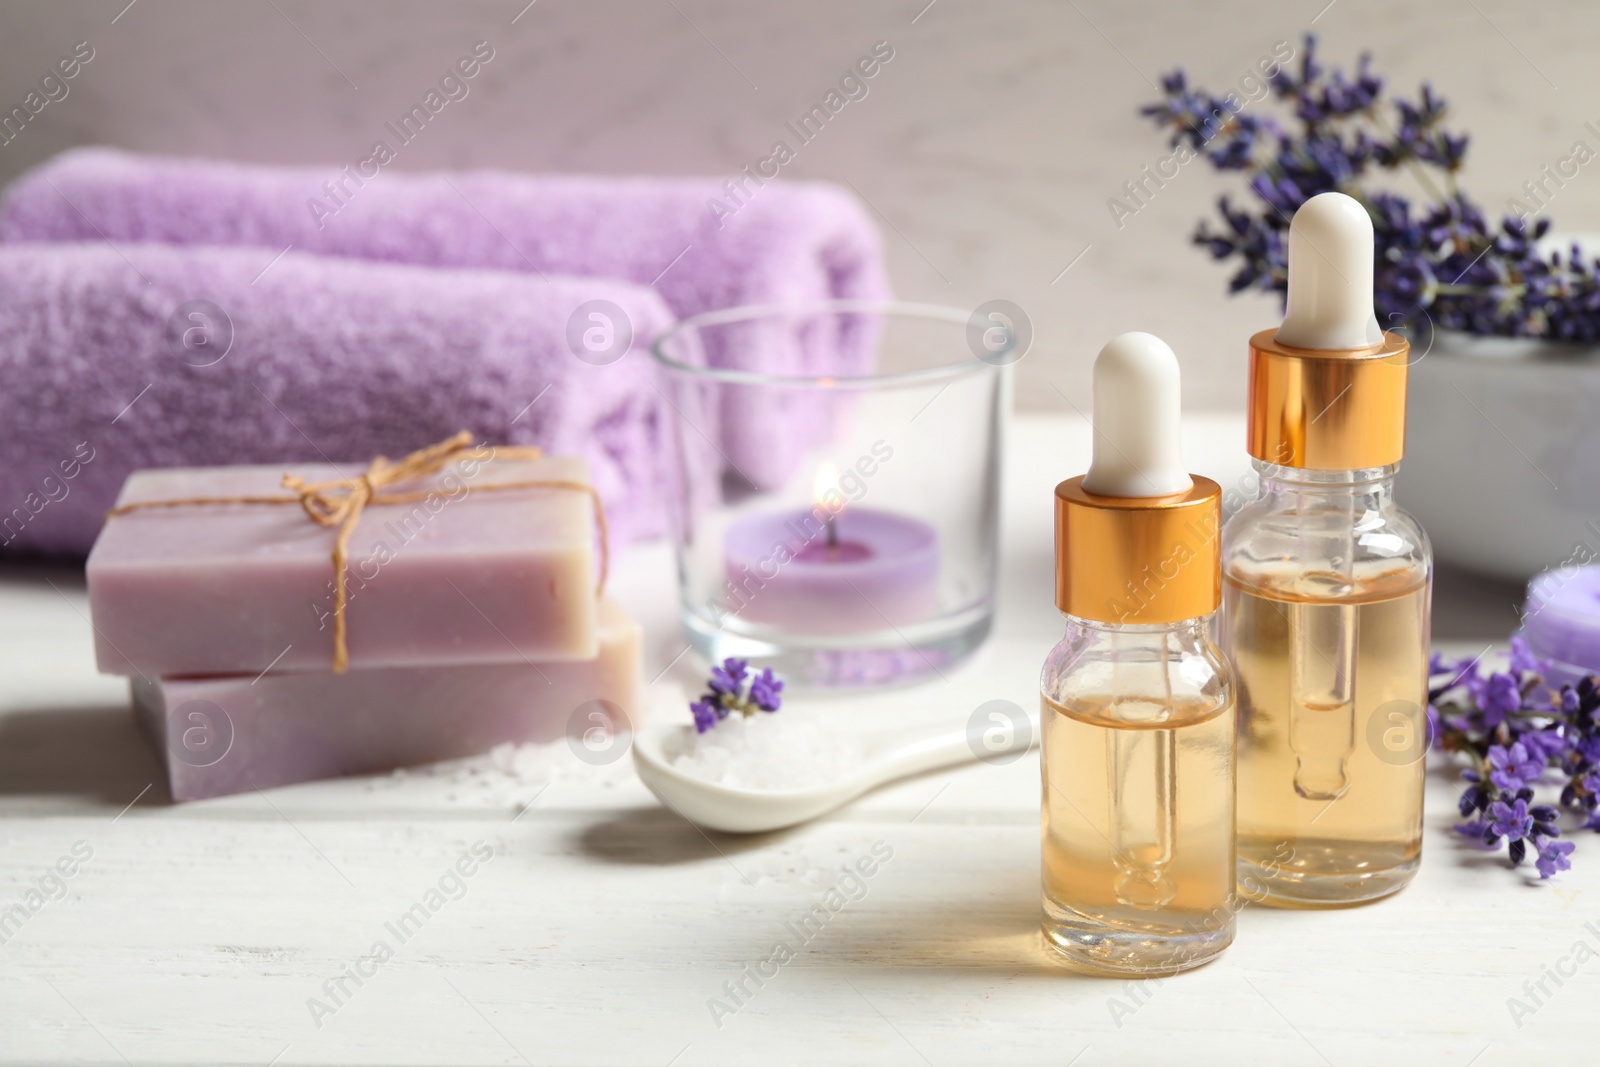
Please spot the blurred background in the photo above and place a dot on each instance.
(988, 147)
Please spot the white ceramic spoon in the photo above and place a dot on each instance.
(885, 757)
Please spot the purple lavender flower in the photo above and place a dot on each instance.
(1453, 672)
(706, 715)
(1473, 799)
(1513, 768)
(1509, 820)
(729, 677)
(1585, 746)
(1404, 288)
(1514, 729)
(1586, 705)
(726, 693)
(1543, 745)
(764, 690)
(1499, 282)
(1498, 695)
(1553, 857)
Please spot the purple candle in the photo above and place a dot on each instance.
(1561, 621)
(833, 569)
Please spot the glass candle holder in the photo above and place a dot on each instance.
(839, 527)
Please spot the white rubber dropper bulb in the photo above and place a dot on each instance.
(1136, 409)
(1330, 276)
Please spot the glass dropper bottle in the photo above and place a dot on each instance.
(1326, 590)
(1137, 717)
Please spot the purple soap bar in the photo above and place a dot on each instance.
(467, 575)
(230, 735)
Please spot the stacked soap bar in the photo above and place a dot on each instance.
(236, 733)
(471, 620)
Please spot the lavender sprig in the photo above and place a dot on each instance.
(733, 688)
(1513, 728)
(1440, 261)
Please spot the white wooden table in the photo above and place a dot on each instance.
(602, 927)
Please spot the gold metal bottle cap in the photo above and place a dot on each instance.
(1337, 410)
(1138, 560)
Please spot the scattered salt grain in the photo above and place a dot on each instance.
(507, 772)
(515, 773)
(770, 752)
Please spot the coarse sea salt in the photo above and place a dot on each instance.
(765, 752)
(507, 772)
(516, 773)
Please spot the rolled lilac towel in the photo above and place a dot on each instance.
(703, 244)
(780, 242)
(112, 364)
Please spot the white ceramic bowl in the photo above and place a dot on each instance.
(1502, 461)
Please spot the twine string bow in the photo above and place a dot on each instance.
(338, 503)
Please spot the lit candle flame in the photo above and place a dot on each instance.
(826, 482)
(829, 500)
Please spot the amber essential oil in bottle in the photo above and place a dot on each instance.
(1138, 801)
(1137, 719)
(1332, 681)
(1326, 590)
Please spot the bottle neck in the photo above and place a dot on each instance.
(1374, 486)
(1184, 629)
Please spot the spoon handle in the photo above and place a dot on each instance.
(941, 746)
